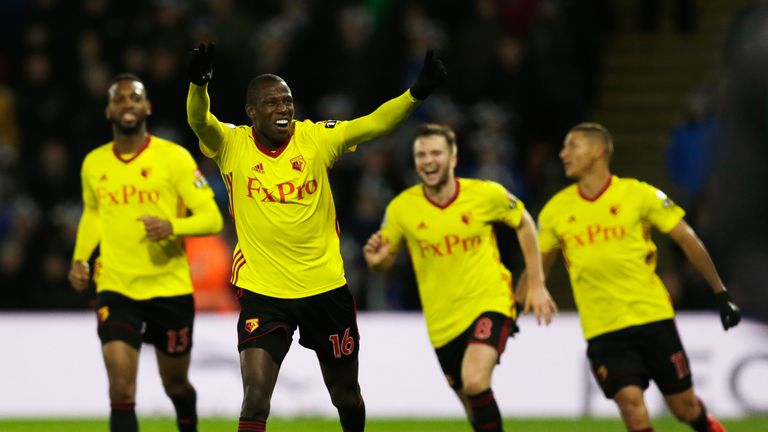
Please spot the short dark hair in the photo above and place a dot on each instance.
(598, 130)
(252, 94)
(429, 129)
(126, 76)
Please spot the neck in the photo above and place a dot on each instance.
(266, 142)
(442, 193)
(130, 143)
(592, 183)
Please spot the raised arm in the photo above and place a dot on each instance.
(393, 112)
(697, 254)
(536, 295)
(205, 125)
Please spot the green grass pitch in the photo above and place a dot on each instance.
(666, 424)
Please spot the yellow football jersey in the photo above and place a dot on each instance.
(161, 179)
(454, 252)
(283, 208)
(607, 246)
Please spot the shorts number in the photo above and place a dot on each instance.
(681, 365)
(178, 341)
(483, 328)
(344, 347)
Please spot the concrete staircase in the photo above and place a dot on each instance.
(646, 78)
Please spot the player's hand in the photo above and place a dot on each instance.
(432, 75)
(79, 275)
(200, 63)
(376, 249)
(730, 314)
(540, 302)
(156, 228)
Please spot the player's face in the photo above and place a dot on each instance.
(579, 154)
(128, 107)
(434, 160)
(273, 111)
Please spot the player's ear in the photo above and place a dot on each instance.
(149, 108)
(250, 111)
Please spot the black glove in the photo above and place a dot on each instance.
(730, 315)
(200, 63)
(432, 75)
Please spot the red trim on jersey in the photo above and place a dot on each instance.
(135, 155)
(237, 263)
(599, 193)
(450, 201)
(228, 183)
(269, 152)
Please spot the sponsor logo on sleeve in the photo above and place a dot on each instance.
(200, 181)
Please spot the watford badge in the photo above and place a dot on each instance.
(251, 324)
(103, 313)
(298, 163)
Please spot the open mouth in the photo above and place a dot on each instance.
(282, 123)
(128, 117)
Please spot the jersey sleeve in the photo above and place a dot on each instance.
(382, 121)
(328, 135)
(391, 230)
(659, 209)
(88, 230)
(213, 135)
(190, 183)
(507, 208)
(548, 240)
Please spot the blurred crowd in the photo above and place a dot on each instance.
(522, 72)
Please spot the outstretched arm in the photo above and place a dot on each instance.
(537, 296)
(386, 117)
(697, 254)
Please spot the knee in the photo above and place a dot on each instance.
(255, 402)
(475, 383)
(687, 410)
(630, 406)
(122, 390)
(346, 396)
(178, 387)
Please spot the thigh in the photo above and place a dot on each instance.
(450, 356)
(174, 369)
(119, 319)
(490, 328)
(328, 326)
(169, 324)
(616, 361)
(122, 362)
(666, 358)
(266, 323)
(341, 377)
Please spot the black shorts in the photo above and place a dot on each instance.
(490, 328)
(327, 324)
(165, 322)
(638, 354)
